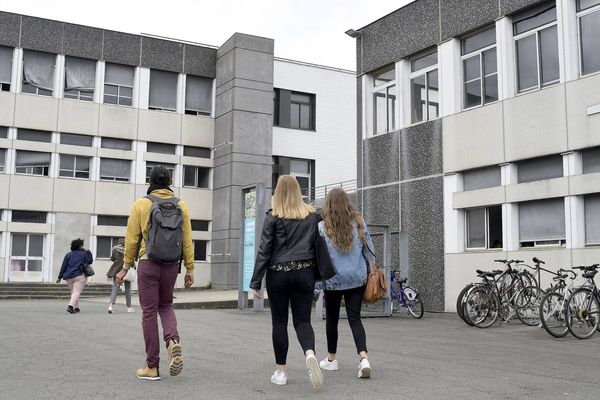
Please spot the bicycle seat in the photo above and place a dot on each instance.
(560, 277)
(538, 261)
(402, 281)
(490, 274)
(589, 274)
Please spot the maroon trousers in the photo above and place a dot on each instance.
(155, 289)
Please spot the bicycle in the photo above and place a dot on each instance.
(583, 307)
(529, 299)
(552, 305)
(404, 296)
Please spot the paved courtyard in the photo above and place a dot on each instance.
(49, 354)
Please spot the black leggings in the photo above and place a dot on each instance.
(295, 288)
(353, 299)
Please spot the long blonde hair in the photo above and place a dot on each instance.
(339, 217)
(287, 200)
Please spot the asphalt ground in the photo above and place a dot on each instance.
(48, 354)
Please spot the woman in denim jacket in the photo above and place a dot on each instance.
(346, 234)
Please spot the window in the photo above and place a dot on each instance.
(3, 132)
(588, 17)
(276, 107)
(34, 136)
(480, 68)
(592, 216)
(118, 84)
(150, 165)
(163, 90)
(484, 228)
(296, 109)
(196, 176)
(591, 160)
(32, 163)
(27, 252)
(104, 245)
(6, 55)
(112, 220)
(163, 148)
(537, 169)
(80, 78)
(200, 225)
(542, 222)
(536, 41)
(112, 169)
(29, 217)
(72, 166)
(38, 72)
(76, 140)
(424, 88)
(481, 178)
(384, 101)
(198, 95)
(2, 160)
(200, 152)
(200, 250)
(117, 144)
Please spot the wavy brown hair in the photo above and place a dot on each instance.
(340, 216)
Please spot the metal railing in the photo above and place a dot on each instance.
(316, 193)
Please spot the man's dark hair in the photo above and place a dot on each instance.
(160, 176)
(76, 244)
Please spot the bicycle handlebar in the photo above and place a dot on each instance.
(587, 267)
(568, 272)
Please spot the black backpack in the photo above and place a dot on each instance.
(164, 244)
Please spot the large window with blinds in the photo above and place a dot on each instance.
(481, 178)
(38, 72)
(32, 163)
(163, 90)
(592, 219)
(6, 56)
(198, 95)
(542, 222)
(118, 84)
(80, 78)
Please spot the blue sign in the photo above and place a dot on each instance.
(249, 238)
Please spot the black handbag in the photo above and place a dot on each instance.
(325, 268)
(87, 269)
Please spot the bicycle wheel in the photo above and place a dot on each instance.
(527, 305)
(583, 314)
(414, 305)
(481, 307)
(460, 301)
(552, 314)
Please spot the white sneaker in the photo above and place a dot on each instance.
(314, 372)
(279, 378)
(130, 309)
(110, 309)
(364, 369)
(329, 365)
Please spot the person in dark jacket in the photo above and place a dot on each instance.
(72, 271)
(287, 255)
(117, 258)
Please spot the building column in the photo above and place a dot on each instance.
(510, 211)
(574, 205)
(454, 221)
(242, 146)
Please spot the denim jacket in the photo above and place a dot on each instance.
(351, 267)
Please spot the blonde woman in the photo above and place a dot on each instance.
(287, 255)
(346, 234)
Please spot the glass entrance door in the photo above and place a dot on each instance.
(26, 257)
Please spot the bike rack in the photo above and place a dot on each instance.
(383, 307)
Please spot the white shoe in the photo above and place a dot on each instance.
(130, 309)
(329, 365)
(279, 378)
(314, 372)
(110, 309)
(364, 369)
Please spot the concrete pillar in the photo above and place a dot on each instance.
(242, 146)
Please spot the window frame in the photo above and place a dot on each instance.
(385, 88)
(114, 240)
(206, 244)
(196, 177)
(30, 170)
(119, 96)
(3, 168)
(579, 15)
(28, 88)
(27, 257)
(114, 178)
(482, 76)
(311, 110)
(424, 72)
(487, 244)
(74, 171)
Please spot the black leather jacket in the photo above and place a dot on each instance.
(284, 240)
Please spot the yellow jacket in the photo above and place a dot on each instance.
(138, 221)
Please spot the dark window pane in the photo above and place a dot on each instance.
(481, 178)
(591, 160)
(432, 95)
(82, 164)
(109, 99)
(305, 116)
(36, 247)
(3, 132)
(300, 97)
(537, 169)
(126, 91)
(294, 115)
(384, 76)
(67, 162)
(490, 62)
(203, 174)
(34, 136)
(418, 99)
(534, 17)
(490, 87)
(495, 227)
(200, 225)
(32, 217)
(391, 108)
(19, 245)
(111, 89)
(201, 152)
(113, 143)
(112, 220)
(424, 62)
(472, 68)
(189, 176)
(163, 148)
(200, 250)
(104, 246)
(76, 140)
(584, 4)
(379, 113)
(473, 93)
(590, 43)
(479, 40)
(549, 55)
(125, 101)
(476, 228)
(34, 265)
(527, 68)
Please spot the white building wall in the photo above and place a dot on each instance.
(333, 144)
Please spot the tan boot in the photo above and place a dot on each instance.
(175, 360)
(148, 373)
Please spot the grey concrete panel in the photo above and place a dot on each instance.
(10, 25)
(406, 31)
(583, 128)
(224, 276)
(245, 174)
(254, 65)
(423, 222)
(460, 16)
(68, 226)
(82, 41)
(248, 42)
(421, 150)
(162, 54)
(221, 201)
(121, 48)
(380, 206)
(359, 135)
(200, 61)
(252, 132)
(41, 34)
(225, 68)
(224, 103)
(381, 159)
(510, 6)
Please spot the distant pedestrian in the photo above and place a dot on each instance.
(118, 253)
(347, 236)
(159, 226)
(72, 271)
(287, 255)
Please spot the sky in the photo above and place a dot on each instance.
(304, 30)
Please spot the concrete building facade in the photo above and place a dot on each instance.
(478, 134)
(86, 112)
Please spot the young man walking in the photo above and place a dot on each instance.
(159, 227)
